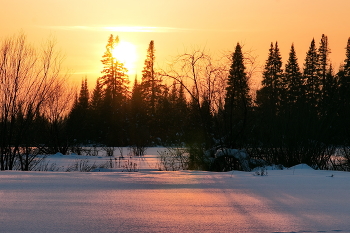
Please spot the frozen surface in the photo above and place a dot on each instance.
(299, 199)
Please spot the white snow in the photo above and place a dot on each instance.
(298, 199)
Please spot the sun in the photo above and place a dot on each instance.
(125, 52)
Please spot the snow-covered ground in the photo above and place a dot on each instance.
(294, 200)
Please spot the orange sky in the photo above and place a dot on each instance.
(82, 27)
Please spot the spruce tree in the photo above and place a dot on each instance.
(237, 101)
(347, 59)
(181, 102)
(344, 78)
(162, 123)
(330, 92)
(152, 91)
(115, 95)
(98, 120)
(173, 93)
(312, 81)
(292, 81)
(114, 78)
(269, 96)
(268, 101)
(181, 108)
(151, 82)
(138, 121)
(278, 75)
(323, 60)
(78, 123)
(84, 95)
(97, 96)
(344, 96)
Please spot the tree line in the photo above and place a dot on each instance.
(299, 115)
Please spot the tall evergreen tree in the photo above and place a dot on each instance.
(161, 124)
(347, 59)
(151, 83)
(139, 128)
(330, 92)
(181, 110)
(269, 96)
(78, 120)
(152, 91)
(115, 94)
(292, 81)
(344, 78)
(237, 101)
(176, 114)
(84, 95)
(313, 83)
(97, 96)
(320, 92)
(268, 100)
(344, 95)
(114, 76)
(97, 117)
(323, 60)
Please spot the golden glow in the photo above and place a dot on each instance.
(130, 29)
(125, 52)
(82, 33)
(115, 29)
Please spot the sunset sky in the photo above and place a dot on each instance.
(82, 27)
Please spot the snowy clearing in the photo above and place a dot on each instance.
(299, 199)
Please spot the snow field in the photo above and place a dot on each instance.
(299, 199)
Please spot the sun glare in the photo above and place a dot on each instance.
(125, 52)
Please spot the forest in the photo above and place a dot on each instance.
(298, 115)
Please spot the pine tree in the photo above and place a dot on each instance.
(325, 73)
(114, 83)
(344, 96)
(161, 123)
(278, 74)
(114, 76)
(173, 93)
(139, 129)
(176, 113)
(194, 129)
(136, 96)
(152, 92)
(84, 95)
(323, 60)
(292, 81)
(269, 96)
(181, 108)
(97, 96)
(347, 60)
(313, 83)
(329, 91)
(238, 100)
(98, 132)
(181, 103)
(151, 84)
(78, 120)
(344, 78)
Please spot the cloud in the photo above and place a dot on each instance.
(117, 28)
(139, 29)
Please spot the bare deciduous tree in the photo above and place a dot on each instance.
(203, 78)
(28, 77)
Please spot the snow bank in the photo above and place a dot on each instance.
(302, 166)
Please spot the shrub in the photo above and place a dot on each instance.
(173, 159)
